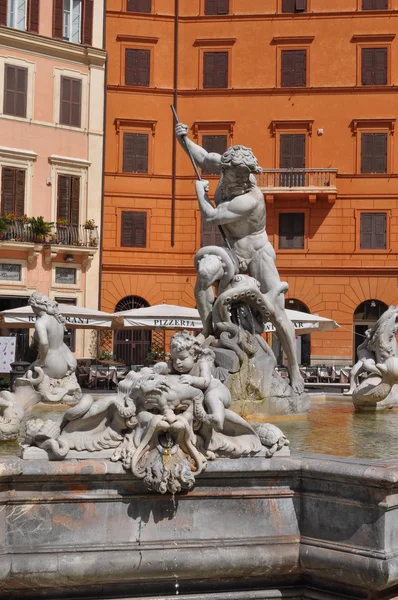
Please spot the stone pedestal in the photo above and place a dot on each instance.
(309, 526)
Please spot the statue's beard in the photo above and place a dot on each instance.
(239, 186)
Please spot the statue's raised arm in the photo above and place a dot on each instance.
(209, 161)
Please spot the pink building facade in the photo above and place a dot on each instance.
(52, 75)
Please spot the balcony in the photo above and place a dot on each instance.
(311, 183)
(61, 238)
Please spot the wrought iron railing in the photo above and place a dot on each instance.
(297, 178)
(65, 235)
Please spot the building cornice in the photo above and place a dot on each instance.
(373, 37)
(6, 152)
(214, 42)
(141, 268)
(137, 39)
(52, 48)
(292, 40)
(69, 161)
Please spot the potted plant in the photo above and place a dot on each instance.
(93, 242)
(156, 354)
(40, 228)
(89, 224)
(62, 222)
(4, 225)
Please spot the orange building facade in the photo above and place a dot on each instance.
(310, 86)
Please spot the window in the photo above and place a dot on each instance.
(373, 235)
(214, 143)
(374, 153)
(133, 230)
(68, 198)
(137, 67)
(140, 6)
(291, 231)
(135, 153)
(292, 156)
(374, 66)
(65, 275)
(12, 190)
(73, 20)
(215, 69)
(10, 272)
(294, 66)
(292, 6)
(216, 7)
(16, 14)
(71, 100)
(15, 90)
(210, 235)
(374, 4)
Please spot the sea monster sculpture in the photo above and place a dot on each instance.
(49, 379)
(164, 425)
(378, 365)
(238, 288)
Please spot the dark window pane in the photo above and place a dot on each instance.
(291, 6)
(137, 67)
(291, 230)
(15, 90)
(135, 153)
(133, 229)
(216, 7)
(68, 198)
(374, 66)
(70, 103)
(12, 190)
(374, 4)
(214, 143)
(215, 69)
(374, 153)
(293, 68)
(373, 232)
(142, 6)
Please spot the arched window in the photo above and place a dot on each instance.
(303, 342)
(131, 346)
(365, 316)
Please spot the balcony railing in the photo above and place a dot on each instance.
(304, 180)
(64, 235)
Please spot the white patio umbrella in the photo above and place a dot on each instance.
(162, 316)
(75, 316)
(170, 316)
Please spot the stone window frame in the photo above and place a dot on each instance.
(59, 72)
(359, 126)
(64, 165)
(68, 286)
(30, 97)
(146, 126)
(292, 209)
(357, 220)
(21, 282)
(135, 42)
(214, 45)
(282, 43)
(202, 128)
(20, 159)
(374, 40)
(133, 208)
(291, 127)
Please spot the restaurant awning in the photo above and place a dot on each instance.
(75, 317)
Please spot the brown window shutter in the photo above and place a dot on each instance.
(374, 4)
(137, 67)
(7, 190)
(215, 70)
(142, 6)
(286, 142)
(298, 158)
(223, 7)
(287, 58)
(135, 153)
(87, 22)
(64, 191)
(380, 231)
(221, 69)
(70, 102)
(33, 16)
(210, 7)
(210, 235)
(19, 204)
(301, 5)
(291, 231)
(214, 143)
(367, 66)
(58, 19)
(133, 229)
(288, 6)
(3, 12)
(75, 198)
(292, 151)
(366, 228)
(380, 66)
(380, 152)
(15, 90)
(208, 69)
(366, 153)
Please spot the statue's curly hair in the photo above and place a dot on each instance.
(240, 156)
(183, 340)
(38, 300)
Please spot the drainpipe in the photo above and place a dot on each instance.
(174, 148)
(103, 163)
